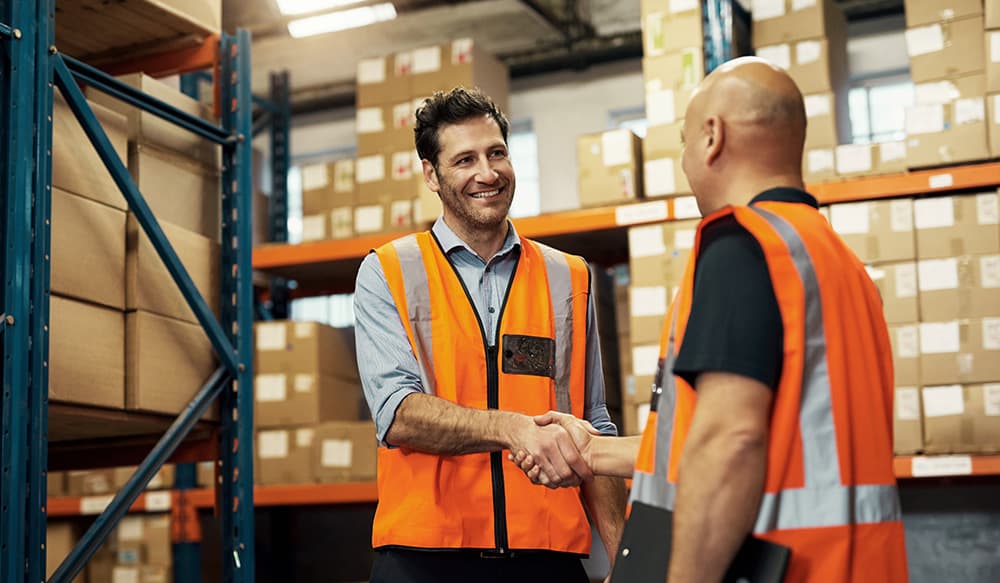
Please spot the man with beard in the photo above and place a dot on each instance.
(464, 333)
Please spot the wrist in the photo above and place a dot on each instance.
(504, 427)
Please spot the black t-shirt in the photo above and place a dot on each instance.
(735, 325)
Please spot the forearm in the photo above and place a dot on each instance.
(433, 425)
(614, 456)
(710, 523)
(605, 498)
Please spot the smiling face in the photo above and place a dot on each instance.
(474, 176)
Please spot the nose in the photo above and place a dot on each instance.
(485, 172)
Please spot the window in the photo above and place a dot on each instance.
(523, 146)
(631, 118)
(877, 109)
(336, 310)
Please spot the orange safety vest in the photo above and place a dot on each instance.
(830, 491)
(538, 362)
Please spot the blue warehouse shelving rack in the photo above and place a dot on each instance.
(30, 68)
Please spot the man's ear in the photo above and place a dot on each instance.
(430, 176)
(716, 130)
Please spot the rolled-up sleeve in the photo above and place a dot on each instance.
(388, 368)
(596, 409)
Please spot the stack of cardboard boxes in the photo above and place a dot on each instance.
(609, 167)
(947, 123)
(310, 412)
(139, 550)
(992, 21)
(391, 194)
(937, 266)
(104, 481)
(328, 200)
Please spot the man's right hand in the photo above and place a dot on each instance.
(553, 450)
(579, 431)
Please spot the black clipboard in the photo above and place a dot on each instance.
(644, 554)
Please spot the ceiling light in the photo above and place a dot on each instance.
(292, 7)
(342, 20)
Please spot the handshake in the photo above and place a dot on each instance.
(555, 451)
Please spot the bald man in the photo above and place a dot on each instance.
(771, 411)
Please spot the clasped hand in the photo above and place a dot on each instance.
(555, 451)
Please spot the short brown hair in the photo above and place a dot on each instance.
(452, 107)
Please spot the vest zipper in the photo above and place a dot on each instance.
(496, 461)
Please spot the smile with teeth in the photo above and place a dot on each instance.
(486, 194)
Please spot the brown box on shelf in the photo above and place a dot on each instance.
(88, 250)
(890, 157)
(993, 123)
(178, 189)
(959, 287)
(946, 49)
(327, 185)
(666, 31)
(825, 115)
(920, 12)
(639, 389)
(284, 456)
(370, 176)
(658, 253)
(55, 484)
(781, 21)
(946, 133)
(163, 479)
(608, 166)
(306, 399)
(670, 79)
(90, 482)
(907, 428)
(962, 419)
(876, 230)
(634, 416)
(461, 62)
(819, 165)
(147, 128)
(370, 218)
(948, 226)
(385, 128)
(166, 362)
(335, 223)
(382, 80)
(60, 538)
(76, 167)
(992, 10)
(992, 61)
(855, 160)
(960, 351)
(897, 284)
(85, 367)
(648, 305)
(344, 451)
(150, 287)
(950, 89)
(305, 347)
(905, 341)
(816, 65)
(206, 474)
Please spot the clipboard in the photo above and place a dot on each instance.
(644, 554)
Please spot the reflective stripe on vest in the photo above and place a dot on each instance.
(418, 304)
(560, 286)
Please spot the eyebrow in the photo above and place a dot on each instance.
(490, 148)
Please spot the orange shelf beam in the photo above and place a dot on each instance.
(917, 182)
(173, 62)
(156, 501)
(299, 495)
(930, 466)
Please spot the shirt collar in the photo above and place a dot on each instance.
(451, 242)
(786, 194)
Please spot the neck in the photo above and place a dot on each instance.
(741, 192)
(485, 242)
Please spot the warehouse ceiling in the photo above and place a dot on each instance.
(530, 36)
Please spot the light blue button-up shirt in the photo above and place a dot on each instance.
(388, 367)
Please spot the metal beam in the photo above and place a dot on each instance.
(550, 17)
(6, 31)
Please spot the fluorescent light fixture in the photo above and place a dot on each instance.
(342, 20)
(293, 7)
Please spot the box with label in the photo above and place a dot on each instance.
(287, 346)
(855, 159)
(962, 419)
(344, 451)
(148, 284)
(86, 367)
(327, 185)
(76, 167)
(662, 171)
(890, 157)
(284, 456)
(461, 62)
(669, 31)
(960, 351)
(159, 348)
(825, 120)
(87, 250)
(946, 49)
(608, 166)
(992, 61)
(946, 134)
(634, 417)
(920, 12)
(877, 230)
(385, 128)
(177, 189)
(782, 21)
(905, 341)
(370, 175)
(658, 253)
(370, 218)
(163, 479)
(648, 305)
(90, 482)
(816, 65)
(897, 285)
(948, 226)
(284, 399)
(819, 165)
(670, 79)
(950, 89)
(382, 80)
(959, 287)
(907, 429)
(336, 223)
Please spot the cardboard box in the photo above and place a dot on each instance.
(949, 89)
(100, 567)
(781, 21)
(816, 65)
(666, 31)
(386, 128)
(177, 189)
(305, 347)
(962, 419)
(819, 165)
(161, 480)
(825, 127)
(658, 253)
(159, 348)
(149, 286)
(905, 340)
(461, 62)
(670, 79)
(634, 417)
(907, 429)
(992, 10)
(890, 157)
(946, 49)
(284, 456)
(855, 159)
(76, 167)
(370, 174)
(87, 250)
(897, 285)
(90, 482)
(344, 451)
(993, 125)
(382, 80)
(648, 305)
(946, 134)
(60, 538)
(661, 154)
(960, 351)
(370, 218)
(877, 230)
(55, 484)
(608, 166)
(959, 287)
(148, 128)
(337, 223)
(992, 60)
(86, 367)
(949, 226)
(930, 11)
(639, 388)
(327, 186)
(306, 399)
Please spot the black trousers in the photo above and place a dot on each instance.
(412, 566)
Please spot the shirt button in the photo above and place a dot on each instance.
(492, 309)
